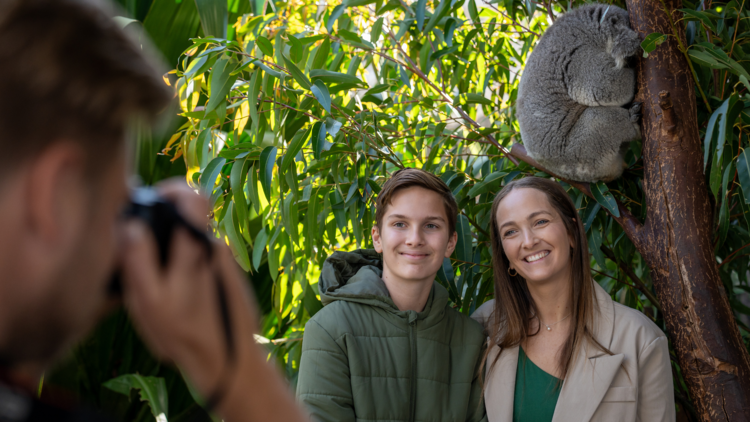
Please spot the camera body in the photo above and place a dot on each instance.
(162, 217)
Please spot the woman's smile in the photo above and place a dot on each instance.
(537, 257)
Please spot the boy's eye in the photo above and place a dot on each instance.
(399, 224)
(431, 226)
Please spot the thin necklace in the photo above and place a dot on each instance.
(549, 326)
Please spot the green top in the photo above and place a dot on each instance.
(536, 392)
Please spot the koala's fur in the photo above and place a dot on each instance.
(572, 93)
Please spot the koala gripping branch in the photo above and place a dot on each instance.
(630, 224)
(676, 239)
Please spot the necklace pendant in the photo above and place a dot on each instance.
(549, 328)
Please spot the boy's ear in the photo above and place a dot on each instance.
(451, 244)
(375, 232)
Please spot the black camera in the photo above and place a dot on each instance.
(163, 218)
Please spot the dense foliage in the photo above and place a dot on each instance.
(292, 114)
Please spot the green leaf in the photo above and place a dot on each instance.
(377, 28)
(595, 247)
(319, 132)
(290, 217)
(267, 161)
(265, 45)
(721, 123)
(702, 17)
(705, 59)
(259, 246)
(473, 13)
(464, 244)
(297, 74)
(743, 173)
(477, 99)
(377, 89)
(445, 51)
(448, 29)
(321, 56)
(330, 77)
(236, 243)
(210, 174)
(221, 83)
(441, 10)
(298, 141)
(153, 390)
(485, 184)
(213, 15)
(604, 197)
(320, 91)
(421, 6)
(335, 14)
(312, 222)
(651, 41)
(252, 187)
(237, 181)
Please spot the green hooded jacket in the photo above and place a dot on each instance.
(364, 360)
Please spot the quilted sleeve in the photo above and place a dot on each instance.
(324, 383)
(476, 411)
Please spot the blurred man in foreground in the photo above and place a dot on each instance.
(69, 82)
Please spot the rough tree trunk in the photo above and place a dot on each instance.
(677, 238)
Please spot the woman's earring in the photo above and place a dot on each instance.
(515, 273)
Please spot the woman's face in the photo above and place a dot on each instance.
(534, 237)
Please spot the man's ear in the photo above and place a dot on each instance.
(451, 244)
(56, 193)
(375, 232)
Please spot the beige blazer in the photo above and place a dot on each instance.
(634, 384)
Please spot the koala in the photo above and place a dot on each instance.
(572, 92)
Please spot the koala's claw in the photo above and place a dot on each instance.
(635, 112)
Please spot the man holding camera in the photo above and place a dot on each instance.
(70, 81)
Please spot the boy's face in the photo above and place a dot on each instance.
(414, 236)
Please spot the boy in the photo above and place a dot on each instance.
(387, 346)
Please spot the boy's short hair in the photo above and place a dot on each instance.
(68, 72)
(409, 177)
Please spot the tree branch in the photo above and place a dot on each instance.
(632, 227)
(639, 284)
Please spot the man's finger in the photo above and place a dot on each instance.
(192, 206)
(140, 265)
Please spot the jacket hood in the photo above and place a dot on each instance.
(357, 277)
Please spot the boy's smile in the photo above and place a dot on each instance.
(415, 236)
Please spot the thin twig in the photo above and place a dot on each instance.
(640, 285)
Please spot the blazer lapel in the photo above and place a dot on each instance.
(593, 371)
(501, 384)
(584, 389)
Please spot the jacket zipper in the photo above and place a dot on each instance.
(413, 340)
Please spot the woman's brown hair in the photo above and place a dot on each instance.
(510, 322)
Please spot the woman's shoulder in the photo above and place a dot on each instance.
(483, 313)
(635, 325)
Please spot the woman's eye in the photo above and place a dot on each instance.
(509, 232)
(541, 222)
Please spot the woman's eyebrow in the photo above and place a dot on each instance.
(532, 215)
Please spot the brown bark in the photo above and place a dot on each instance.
(676, 239)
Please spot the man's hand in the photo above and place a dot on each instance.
(176, 309)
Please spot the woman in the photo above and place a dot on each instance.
(560, 348)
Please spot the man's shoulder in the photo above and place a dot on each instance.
(464, 324)
(341, 316)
